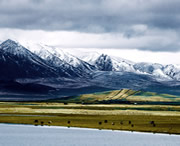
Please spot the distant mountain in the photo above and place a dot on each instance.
(105, 62)
(38, 60)
(60, 59)
(18, 62)
(33, 65)
(172, 71)
(108, 63)
(166, 72)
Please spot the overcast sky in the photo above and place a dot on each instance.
(149, 26)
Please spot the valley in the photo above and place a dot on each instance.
(44, 85)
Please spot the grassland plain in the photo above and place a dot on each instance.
(123, 96)
(144, 111)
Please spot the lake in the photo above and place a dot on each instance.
(28, 135)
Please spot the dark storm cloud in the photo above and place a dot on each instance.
(94, 16)
(91, 15)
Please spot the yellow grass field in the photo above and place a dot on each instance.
(146, 118)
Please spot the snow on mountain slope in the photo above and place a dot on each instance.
(147, 67)
(43, 52)
(84, 64)
(172, 71)
(153, 69)
(52, 56)
(110, 63)
(120, 64)
(104, 63)
(14, 48)
(72, 60)
(41, 57)
(89, 57)
(59, 57)
(17, 61)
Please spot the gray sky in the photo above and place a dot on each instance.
(146, 25)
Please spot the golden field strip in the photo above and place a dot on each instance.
(146, 118)
(119, 96)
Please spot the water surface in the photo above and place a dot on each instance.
(27, 135)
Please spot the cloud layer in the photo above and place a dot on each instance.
(147, 25)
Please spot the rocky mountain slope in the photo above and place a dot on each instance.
(54, 67)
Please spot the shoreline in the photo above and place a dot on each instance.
(89, 129)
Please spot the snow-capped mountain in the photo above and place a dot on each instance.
(53, 67)
(154, 69)
(89, 57)
(168, 72)
(61, 59)
(105, 62)
(172, 71)
(18, 62)
(46, 53)
(61, 63)
(147, 67)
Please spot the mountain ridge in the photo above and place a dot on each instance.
(17, 61)
(50, 66)
(80, 67)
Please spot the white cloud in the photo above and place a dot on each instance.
(110, 43)
(134, 55)
(155, 40)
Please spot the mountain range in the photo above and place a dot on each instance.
(53, 67)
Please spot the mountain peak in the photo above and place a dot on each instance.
(105, 56)
(10, 42)
(104, 63)
(13, 47)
